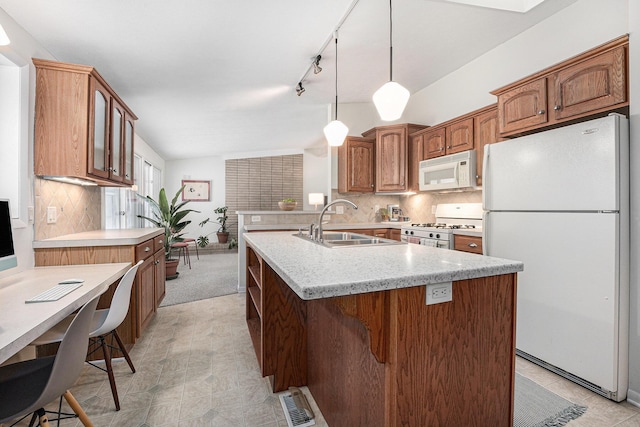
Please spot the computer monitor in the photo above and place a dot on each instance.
(7, 251)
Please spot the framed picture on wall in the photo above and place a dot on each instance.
(196, 191)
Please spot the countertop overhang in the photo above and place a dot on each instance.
(313, 271)
(125, 237)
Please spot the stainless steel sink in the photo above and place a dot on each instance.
(347, 239)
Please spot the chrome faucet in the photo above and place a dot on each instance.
(319, 226)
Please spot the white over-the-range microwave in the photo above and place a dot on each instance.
(454, 171)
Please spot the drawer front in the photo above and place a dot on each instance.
(144, 250)
(468, 244)
(158, 243)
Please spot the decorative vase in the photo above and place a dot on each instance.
(287, 206)
(223, 237)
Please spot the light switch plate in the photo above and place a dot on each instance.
(255, 218)
(339, 210)
(51, 215)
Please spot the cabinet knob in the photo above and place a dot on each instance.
(147, 248)
(541, 112)
(473, 245)
(110, 169)
(126, 175)
(114, 170)
(441, 148)
(557, 107)
(449, 147)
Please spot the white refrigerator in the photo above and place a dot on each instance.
(559, 201)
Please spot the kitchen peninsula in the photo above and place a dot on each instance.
(353, 325)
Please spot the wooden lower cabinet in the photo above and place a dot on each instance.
(386, 358)
(471, 244)
(148, 287)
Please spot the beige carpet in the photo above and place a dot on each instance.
(210, 276)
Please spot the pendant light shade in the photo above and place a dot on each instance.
(336, 131)
(391, 99)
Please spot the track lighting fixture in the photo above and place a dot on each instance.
(316, 65)
(336, 131)
(391, 99)
(299, 89)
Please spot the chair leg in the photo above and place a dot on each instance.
(86, 422)
(112, 380)
(124, 351)
(33, 419)
(197, 254)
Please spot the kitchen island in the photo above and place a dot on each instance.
(353, 325)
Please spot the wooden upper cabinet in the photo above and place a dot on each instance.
(590, 85)
(460, 136)
(392, 156)
(356, 163)
(435, 142)
(416, 155)
(485, 132)
(594, 82)
(523, 107)
(82, 128)
(391, 159)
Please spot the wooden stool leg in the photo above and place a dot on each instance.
(112, 380)
(186, 254)
(77, 409)
(123, 349)
(197, 254)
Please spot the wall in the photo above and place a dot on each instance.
(22, 48)
(634, 324)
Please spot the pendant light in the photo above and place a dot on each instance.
(336, 131)
(391, 99)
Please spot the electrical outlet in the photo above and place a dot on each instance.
(30, 214)
(255, 218)
(339, 210)
(51, 215)
(439, 292)
(433, 209)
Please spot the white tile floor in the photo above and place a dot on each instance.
(196, 367)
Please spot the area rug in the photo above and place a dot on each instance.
(536, 406)
(212, 275)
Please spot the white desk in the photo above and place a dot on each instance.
(21, 323)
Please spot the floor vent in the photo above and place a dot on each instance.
(296, 408)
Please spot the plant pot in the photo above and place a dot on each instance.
(171, 268)
(287, 206)
(223, 237)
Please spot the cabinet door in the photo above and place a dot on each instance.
(99, 114)
(434, 143)
(523, 107)
(471, 244)
(485, 132)
(395, 234)
(356, 159)
(416, 155)
(391, 159)
(590, 85)
(146, 302)
(127, 157)
(460, 136)
(160, 276)
(117, 141)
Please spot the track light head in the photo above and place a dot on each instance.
(299, 89)
(316, 64)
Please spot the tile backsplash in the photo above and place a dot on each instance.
(78, 208)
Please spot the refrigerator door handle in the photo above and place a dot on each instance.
(485, 177)
(485, 232)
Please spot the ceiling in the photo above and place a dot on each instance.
(213, 77)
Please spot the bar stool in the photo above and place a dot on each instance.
(183, 247)
(189, 240)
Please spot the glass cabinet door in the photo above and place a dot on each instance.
(128, 149)
(117, 123)
(98, 155)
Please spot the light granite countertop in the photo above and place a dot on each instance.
(313, 271)
(125, 237)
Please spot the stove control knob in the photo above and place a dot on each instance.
(430, 234)
(437, 236)
(412, 232)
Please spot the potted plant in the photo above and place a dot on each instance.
(222, 233)
(288, 204)
(171, 218)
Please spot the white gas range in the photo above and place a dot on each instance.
(449, 217)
